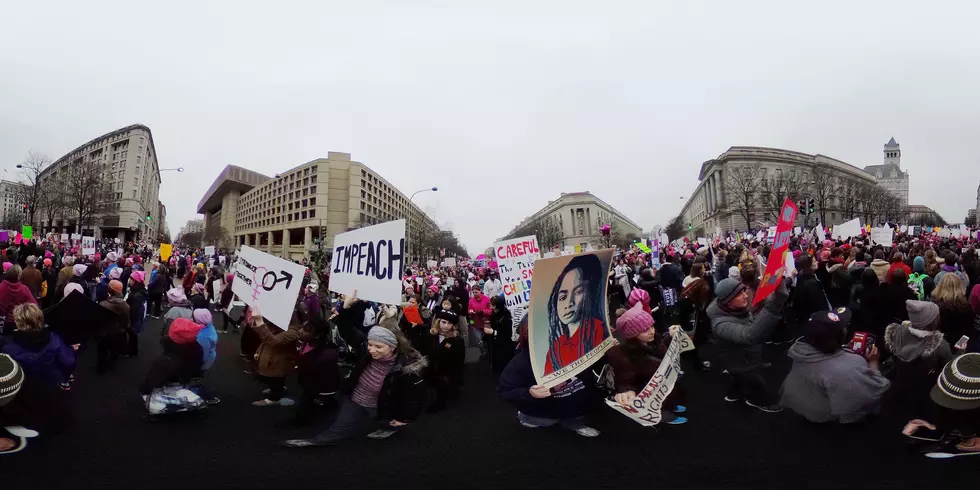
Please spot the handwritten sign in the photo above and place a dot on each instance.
(88, 245)
(432, 264)
(882, 236)
(646, 408)
(269, 284)
(209, 250)
(372, 261)
(515, 262)
(847, 230)
(784, 229)
(449, 262)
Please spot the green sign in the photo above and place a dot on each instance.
(26, 232)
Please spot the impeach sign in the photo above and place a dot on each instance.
(372, 261)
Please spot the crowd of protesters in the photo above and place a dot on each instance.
(873, 333)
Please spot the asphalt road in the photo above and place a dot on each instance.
(475, 443)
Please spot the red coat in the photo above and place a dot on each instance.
(895, 266)
(13, 294)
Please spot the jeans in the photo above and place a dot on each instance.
(574, 423)
(277, 387)
(751, 387)
(351, 420)
(227, 321)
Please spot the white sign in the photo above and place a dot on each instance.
(821, 235)
(269, 284)
(703, 241)
(903, 228)
(771, 232)
(797, 231)
(372, 261)
(74, 236)
(850, 229)
(209, 250)
(432, 264)
(882, 236)
(911, 229)
(449, 262)
(569, 250)
(88, 245)
(645, 408)
(548, 255)
(515, 262)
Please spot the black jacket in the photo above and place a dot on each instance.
(446, 359)
(573, 398)
(177, 364)
(808, 296)
(403, 392)
(501, 343)
(672, 276)
(317, 369)
(198, 301)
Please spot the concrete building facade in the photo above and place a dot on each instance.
(890, 174)
(128, 161)
(11, 197)
(282, 215)
(574, 219)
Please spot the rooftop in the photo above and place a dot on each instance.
(891, 143)
(231, 178)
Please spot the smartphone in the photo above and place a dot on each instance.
(961, 344)
(861, 343)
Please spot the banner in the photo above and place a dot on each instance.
(26, 232)
(372, 261)
(642, 246)
(4, 236)
(270, 284)
(645, 408)
(847, 230)
(88, 245)
(882, 236)
(166, 250)
(515, 263)
(209, 250)
(568, 307)
(770, 280)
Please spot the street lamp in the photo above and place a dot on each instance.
(178, 169)
(434, 189)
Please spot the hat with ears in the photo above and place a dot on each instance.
(634, 322)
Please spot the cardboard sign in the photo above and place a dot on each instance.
(64, 238)
(412, 315)
(646, 408)
(847, 230)
(26, 232)
(911, 230)
(269, 284)
(432, 264)
(821, 235)
(642, 246)
(449, 262)
(4, 236)
(655, 255)
(770, 280)
(882, 236)
(797, 231)
(75, 236)
(515, 263)
(568, 304)
(88, 245)
(372, 261)
(18, 238)
(166, 250)
(209, 250)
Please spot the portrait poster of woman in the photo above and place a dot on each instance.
(568, 326)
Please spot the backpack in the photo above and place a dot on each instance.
(916, 284)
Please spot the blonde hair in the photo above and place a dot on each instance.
(28, 317)
(434, 330)
(950, 291)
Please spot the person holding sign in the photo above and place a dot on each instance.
(276, 356)
(575, 313)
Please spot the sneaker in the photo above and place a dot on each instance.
(264, 403)
(222, 332)
(526, 424)
(267, 391)
(679, 409)
(249, 371)
(299, 443)
(587, 431)
(678, 421)
(731, 399)
(706, 365)
(765, 408)
(287, 402)
(213, 401)
(381, 434)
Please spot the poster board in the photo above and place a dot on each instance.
(412, 315)
(515, 263)
(372, 261)
(569, 250)
(646, 408)
(268, 283)
(166, 250)
(26, 232)
(882, 236)
(819, 231)
(847, 230)
(209, 250)
(449, 262)
(784, 228)
(88, 245)
(568, 291)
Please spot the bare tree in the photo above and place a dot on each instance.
(215, 235)
(742, 188)
(851, 200)
(676, 228)
(12, 221)
(775, 191)
(52, 203)
(824, 186)
(32, 191)
(86, 193)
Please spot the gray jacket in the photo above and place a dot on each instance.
(182, 310)
(740, 338)
(838, 387)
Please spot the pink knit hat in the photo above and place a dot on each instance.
(634, 322)
(639, 296)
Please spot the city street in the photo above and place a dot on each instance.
(475, 443)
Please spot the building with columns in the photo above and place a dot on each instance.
(890, 174)
(283, 214)
(574, 219)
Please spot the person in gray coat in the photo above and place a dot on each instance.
(828, 383)
(740, 336)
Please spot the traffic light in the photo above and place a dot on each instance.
(801, 205)
(148, 218)
(809, 206)
(689, 227)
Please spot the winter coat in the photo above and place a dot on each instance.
(893, 302)
(573, 398)
(480, 309)
(276, 356)
(181, 310)
(741, 337)
(955, 321)
(207, 337)
(898, 266)
(12, 295)
(881, 269)
(446, 358)
(501, 340)
(634, 364)
(403, 392)
(837, 387)
(809, 296)
(418, 335)
(317, 368)
(178, 363)
(121, 316)
(159, 283)
(137, 307)
(43, 356)
(31, 277)
(917, 364)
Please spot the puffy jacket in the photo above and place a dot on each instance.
(881, 269)
(740, 337)
(13, 294)
(276, 356)
(43, 355)
(208, 339)
(917, 364)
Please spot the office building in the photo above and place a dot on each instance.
(574, 219)
(284, 214)
(11, 201)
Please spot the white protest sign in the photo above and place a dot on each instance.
(703, 241)
(449, 262)
(432, 264)
(74, 236)
(903, 228)
(515, 262)
(372, 261)
(269, 284)
(911, 229)
(797, 231)
(850, 229)
(759, 236)
(64, 238)
(569, 250)
(882, 236)
(821, 235)
(548, 255)
(645, 408)
(209, 250)
(772, 232)
(88, 245)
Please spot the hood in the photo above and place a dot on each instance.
(31, 348)
(413, 365)
(801, 351)
(32, 341)
(908, 347)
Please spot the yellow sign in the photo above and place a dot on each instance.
(165, 250)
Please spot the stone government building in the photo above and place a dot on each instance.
(719, 202)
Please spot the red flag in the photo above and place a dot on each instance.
(777, 257)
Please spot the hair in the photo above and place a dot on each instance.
(949, 292)
(498, 303)
(749, 275)
(949, 258)
(417, 298)
(594, 279)
(879, 255)
(804, 263)
(897, 257)
(13, 273)
(932, 267)
(434, 330)
(697, 269)
(28, 317)
(68, 261)
(869, 279)
(899, 278)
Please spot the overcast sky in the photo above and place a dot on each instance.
(503, 105)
